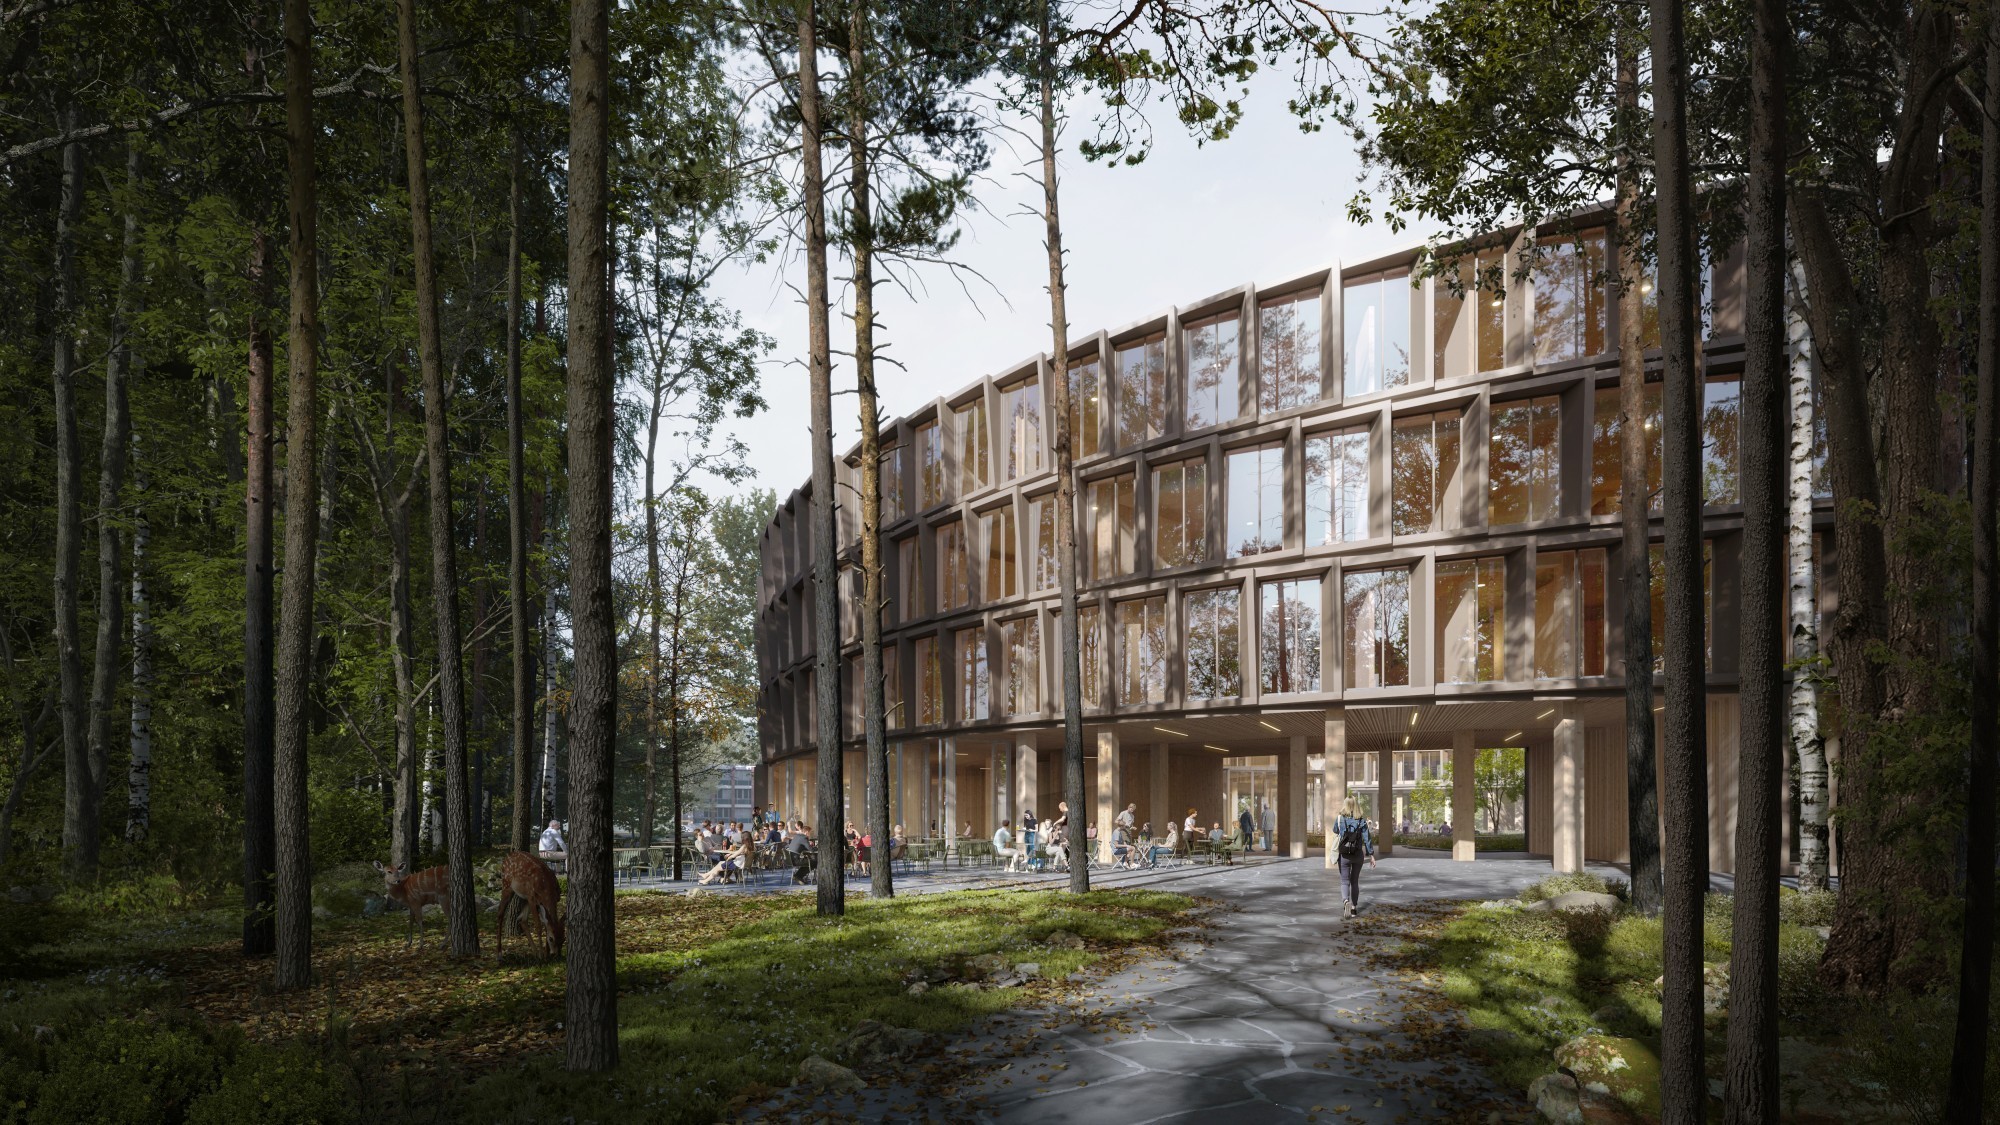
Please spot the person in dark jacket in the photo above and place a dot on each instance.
(1246, 828)
(1348, 835)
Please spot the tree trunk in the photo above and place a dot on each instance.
(592, 995)
(461, 915)
(138, 774)
(1966, 1087)
(1683, 1085)
(674, 694)
(550, 660)
(476, 741)
(1642, 794)
(520, 826)
(1066, 576)
(825, 543)
(116, 438)
(649, 803)
(1751, 1088)
(1887, 644)
(881, 880)
(295, 630)
(406, 834)
(1808, 745)
(80, 827)
(259, 842)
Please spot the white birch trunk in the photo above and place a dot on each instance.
(433, 827)
(1807, 743)
(139, 776)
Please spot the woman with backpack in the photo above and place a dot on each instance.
(1350, 836)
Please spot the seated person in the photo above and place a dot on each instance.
(898, 843)
(1003, 845)
(730, 866)
(554, 850)
(1121, 847)
(1174, 844)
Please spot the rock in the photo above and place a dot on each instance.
(373, 905)
(1613, 1069)
(1584, 900)
(487, 905)
(1715, 989)
(1550, 1003)
(919, 988)
(321, 913)
(1063, 939)
(828, 1077)
(1028, 970)
(697, 892)
(1557, 1099)
(1824, 932)
(873, 1042)
(985, 966)
(1539, 906)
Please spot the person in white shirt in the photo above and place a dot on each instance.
(1129, 819)
(554, 850)
(1003, 845)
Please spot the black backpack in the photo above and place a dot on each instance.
(1350, 838)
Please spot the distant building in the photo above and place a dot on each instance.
(731, 799)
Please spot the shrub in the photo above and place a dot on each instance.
(347, 827)
(124, 1071)
(1806, 908)
(1799, 951)
(1573, 881)
(276, 1086)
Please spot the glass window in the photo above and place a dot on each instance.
(1569, 613)
(1288, 364)
(930, 465)
(1142, 392)
(1336, 487)
(1721, 403)
(1142, 650)
(1649, 305)
(1375, 319)
(1288, 636)
(1212, 369)
(1569, 298)
(1375, 612)
(1523, 461)
(1607, 451)
(1042, 552)
(973, 681)
(1023, 644)
(1213, 668)
(953, 588)
(1256, 501)
(1469, 616)
(893, 715)
(1110, 520)
(1180, 513)
(1490, 313)
(910, 569)
(1003, 579)
(1086, 407)
(1090, 654)
(930, 682)
(892, 486)
(1361, 769)
(1423, 465)
(1021, 423)
(969, 427)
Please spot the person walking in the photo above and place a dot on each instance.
(1350, 836)
(1246, 828)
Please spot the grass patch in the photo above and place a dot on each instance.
(720, 999)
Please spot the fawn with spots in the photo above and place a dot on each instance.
(527, 878)
(414, 892)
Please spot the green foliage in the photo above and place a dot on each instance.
(1499, 777)
(1573, 881)
(1430, 801)
(281, 1086)
(1807, 908)
(123, 1072)
(347, 826)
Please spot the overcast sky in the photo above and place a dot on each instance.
(1266, 205)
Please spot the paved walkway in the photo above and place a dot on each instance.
(1282, 1012)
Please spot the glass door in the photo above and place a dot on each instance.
(1251, 785)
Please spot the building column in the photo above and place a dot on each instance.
(998, 791)
(1292, 801)
(1158, 810)
(1464, 759)
(1107, 783)
(948, 780)
(1385, 803)
(1567, 789)
(1333, 777)
(1025, 775)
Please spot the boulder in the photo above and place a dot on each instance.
(1715, 989)
(1063, 939)
(1583, 900)
(986, 966)
(873, 1042)
(1613, 1069)
(919, 988)
(1557, 1099)
(828, 1077)
(1028, 970)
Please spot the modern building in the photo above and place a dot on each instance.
(1321, 525)
(733, 797)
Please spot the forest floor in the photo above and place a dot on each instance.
(721, 999)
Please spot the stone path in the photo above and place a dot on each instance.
(1278, 1014)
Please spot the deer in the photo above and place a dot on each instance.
(414, 892)
(527, 878)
